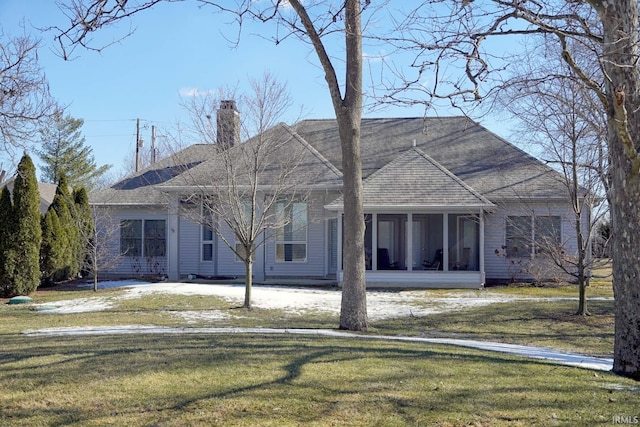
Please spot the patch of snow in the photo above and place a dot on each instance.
(78, 305)
(381, 304)
(557, 357)
(192, 316)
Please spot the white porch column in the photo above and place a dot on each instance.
(445, 242)
(374, 242)
(409, 257)
(173, 264)
(481, 248)
(339, 249)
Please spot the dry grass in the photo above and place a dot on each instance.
(199, 380)
(281, 380)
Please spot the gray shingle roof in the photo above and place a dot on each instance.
(484, 161)
(47, 193)
(485, 165)
(141, 188)
(283, 151)
(415, 179)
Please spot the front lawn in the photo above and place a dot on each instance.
(254, 380)
(283, 380)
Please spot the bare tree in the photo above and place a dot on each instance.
(445, 39)
(24, 92)
(250, 192)
(311, 23)
(98, 238)
(561, 118)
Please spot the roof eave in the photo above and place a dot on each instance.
(405, 207)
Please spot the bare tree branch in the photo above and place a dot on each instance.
(25, 100)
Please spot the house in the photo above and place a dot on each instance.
(447, 204)
(47, 193)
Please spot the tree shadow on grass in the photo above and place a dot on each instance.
(252, 371)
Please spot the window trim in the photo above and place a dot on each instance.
(142, 238)
(205, 242)
(533, 227)
(283, 242)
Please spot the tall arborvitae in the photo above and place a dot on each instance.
(53, 264)
(84, 222)
(28, 233)
(6, 250)
(63, 206)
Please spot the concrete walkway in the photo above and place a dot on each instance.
(549, 355)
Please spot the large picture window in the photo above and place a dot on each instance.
(526, 235)
(291, 238)
(143, 238)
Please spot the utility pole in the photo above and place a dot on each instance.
(153, 144)
(137, 144)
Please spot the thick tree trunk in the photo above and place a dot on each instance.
(620, 50)
(353, 313)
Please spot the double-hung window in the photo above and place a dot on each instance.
(530, 235)
(291, 237)
(207, 243)
(547, 233)
(131, 237)
(143, 237)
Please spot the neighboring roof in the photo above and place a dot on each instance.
(413, 179)
(141, 188)
(484, 161)
(47, 193)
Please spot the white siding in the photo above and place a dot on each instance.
(189, 247)
(315, 265)
(135, 266)
(499, 267)
(227, 264)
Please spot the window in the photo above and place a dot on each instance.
(146, 238)
(547, 233)
(519, 236)
(155, 238)
(528, 235)
(207, 243)
(291, 239)
(131, 237)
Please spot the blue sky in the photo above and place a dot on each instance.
(175, 49)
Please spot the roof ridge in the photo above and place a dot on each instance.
(311, 148)
(452, 175)
(441, 168)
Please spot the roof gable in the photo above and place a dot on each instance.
(488, 163)
(413, 179)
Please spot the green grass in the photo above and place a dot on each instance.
(284, 380)
(171, 380)
(539, 323)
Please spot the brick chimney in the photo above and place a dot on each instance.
(228, 121)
